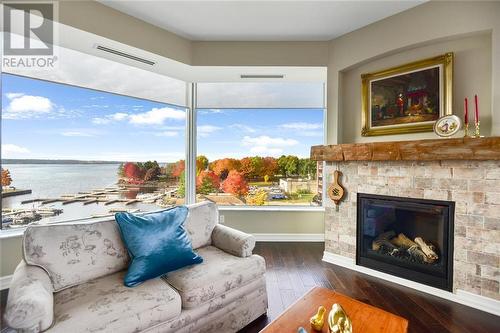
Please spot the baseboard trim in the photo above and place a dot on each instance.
(461, 296)
(289, 237)
(5, 282)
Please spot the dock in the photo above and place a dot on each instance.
(11, 193)
(108, 196)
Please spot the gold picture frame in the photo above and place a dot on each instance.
(424, 104)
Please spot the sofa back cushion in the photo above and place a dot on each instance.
(75, 253)
(200, 223)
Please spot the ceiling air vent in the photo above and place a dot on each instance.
(269, 76)
(125, 55)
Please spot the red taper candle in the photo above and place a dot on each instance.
(477, 109)
(466, 114)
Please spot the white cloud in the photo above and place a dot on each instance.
(206, 130)
(119, 116)
(173, 128)
(267, 141)
(12, 149)
(262, 150)
(156, 116)
(311, 133)
(26, 106)
(77, 134)
(266, 145)
(13, 95)
(101, 121)
(302, 126)
(243, 128)
(167, 133)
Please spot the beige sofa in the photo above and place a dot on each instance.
(71, 280)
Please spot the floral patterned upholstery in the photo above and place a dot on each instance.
(71, 280)
(106, 305)
(219, 273)
(228, 312)
(233, 241)
(200, 222)
(75, 253)
(30, 303)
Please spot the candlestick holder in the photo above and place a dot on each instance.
(477, 133)
(466, 130)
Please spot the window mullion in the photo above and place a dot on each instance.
(190, 172)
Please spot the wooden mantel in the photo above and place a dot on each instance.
(417, 150)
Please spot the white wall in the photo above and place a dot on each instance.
(425, 29)
(272, 222)
(283, 224)
(472, 75)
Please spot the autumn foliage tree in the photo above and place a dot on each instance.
(235, 183)
(246, 167)
(132, 171)
(152, 173)
(257, 199)
(223, 167)
(270, 166)
(201, 163)
(207, 182)
(6, 178)
(178, 169)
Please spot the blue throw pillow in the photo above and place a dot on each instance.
(157, 243)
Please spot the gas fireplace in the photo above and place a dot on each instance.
(406, 237)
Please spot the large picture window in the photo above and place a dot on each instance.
(82, 147)
(259, 156)
(70, 153)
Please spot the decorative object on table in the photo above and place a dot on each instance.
(407, 98)
(338, 321)
(477, 132)
(301, 330)
(318, 320)
(447, 125)
(335, 190)
(466, 118)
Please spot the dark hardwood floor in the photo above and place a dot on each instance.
(293, 268)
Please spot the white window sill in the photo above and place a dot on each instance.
(272, 208)
(11, 233)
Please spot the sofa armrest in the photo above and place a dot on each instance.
(30, 305)
(233, 241)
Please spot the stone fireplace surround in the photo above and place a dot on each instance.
(474, 186)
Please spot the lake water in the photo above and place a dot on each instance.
(54, 180)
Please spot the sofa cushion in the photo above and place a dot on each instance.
(106, 305)
(75, 253)
(200, 223)
(157, 243)
(219, 273)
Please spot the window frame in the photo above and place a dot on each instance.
(191, 154)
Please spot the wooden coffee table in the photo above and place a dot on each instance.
(365, 318)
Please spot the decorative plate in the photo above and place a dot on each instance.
(447, 125)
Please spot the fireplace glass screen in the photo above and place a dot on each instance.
(405, 237)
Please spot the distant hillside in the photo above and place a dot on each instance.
(41, 161)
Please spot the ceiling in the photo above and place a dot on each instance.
(261, 20)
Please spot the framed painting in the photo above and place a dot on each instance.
(408, 98)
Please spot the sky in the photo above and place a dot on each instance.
(55, 121)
